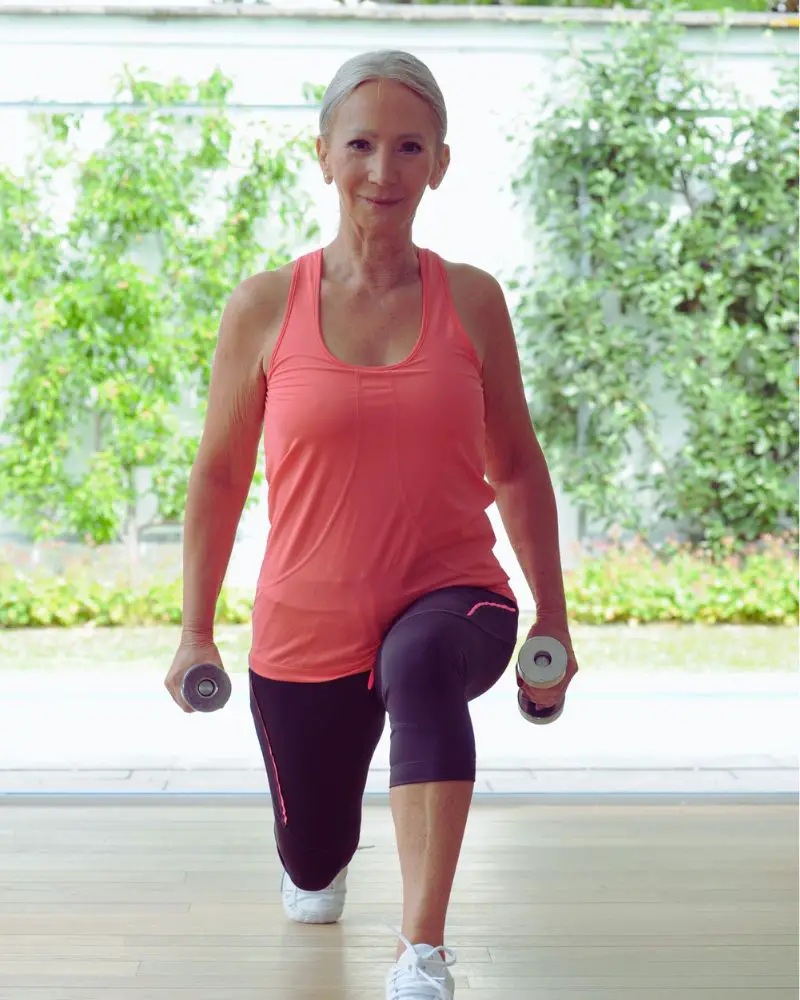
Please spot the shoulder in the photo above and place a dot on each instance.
(261, 296)
(472, 285)
(480, 302)
(254, 312)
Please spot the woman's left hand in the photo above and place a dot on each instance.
(555, 629)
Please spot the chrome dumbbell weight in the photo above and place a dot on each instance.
(206, 687)
(542, 664)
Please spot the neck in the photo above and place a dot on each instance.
(371, 261)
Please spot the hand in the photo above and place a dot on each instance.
(557, 629)
(189, 654)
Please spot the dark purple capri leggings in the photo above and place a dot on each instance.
(318, 739)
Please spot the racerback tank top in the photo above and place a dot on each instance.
(376, 486)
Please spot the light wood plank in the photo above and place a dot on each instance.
(672, 902)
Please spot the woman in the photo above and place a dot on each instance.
(388, 386)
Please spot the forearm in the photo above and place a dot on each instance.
(213, 508)
(527, 506)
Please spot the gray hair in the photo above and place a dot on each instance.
(388, 64)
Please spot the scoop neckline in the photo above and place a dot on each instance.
(422, 256)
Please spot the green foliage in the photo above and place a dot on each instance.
(714, 5)
(111, 316)
(631, 582)
(756, 6)
(668, 248)
(614, 582)
(48, 600)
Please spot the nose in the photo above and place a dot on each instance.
(382, 172)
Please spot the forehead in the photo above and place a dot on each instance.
(382, 105)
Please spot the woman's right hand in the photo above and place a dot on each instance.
(189, 654)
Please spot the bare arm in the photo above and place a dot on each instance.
(515, 464)
(223, 469)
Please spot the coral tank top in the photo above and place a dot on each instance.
(376, 486)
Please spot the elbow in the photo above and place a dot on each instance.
(530, 468)
(229, 460)
(223, 472)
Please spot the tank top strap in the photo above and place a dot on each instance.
(436, 288)
(299, 333)
(443, 320)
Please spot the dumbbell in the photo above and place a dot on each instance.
(206, 687)
(542, 664)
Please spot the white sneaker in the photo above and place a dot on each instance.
(323, 907)
(421, 974)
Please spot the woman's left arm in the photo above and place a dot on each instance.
(517, 470)
(515, 464)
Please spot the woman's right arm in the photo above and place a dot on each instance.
(222, 472)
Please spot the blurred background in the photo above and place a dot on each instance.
(630, 175)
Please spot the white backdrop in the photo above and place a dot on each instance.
(484, 66)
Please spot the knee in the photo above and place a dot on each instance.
(313, 858)
(314, 872)
(315, 880)
(416, 661)
(420, 674)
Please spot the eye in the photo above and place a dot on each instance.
(412, 147)
(360, 145)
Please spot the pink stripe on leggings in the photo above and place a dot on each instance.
(284, 815)
(488, 604)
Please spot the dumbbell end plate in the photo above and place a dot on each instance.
(544, 717)
(206, 688)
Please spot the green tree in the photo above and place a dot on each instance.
(665, 216)
(111, 317)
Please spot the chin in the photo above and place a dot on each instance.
(375, 217)
(386, 225)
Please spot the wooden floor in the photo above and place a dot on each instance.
(553, 902)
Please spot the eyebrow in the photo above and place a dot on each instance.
(372, 134)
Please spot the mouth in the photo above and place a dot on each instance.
(383, 202)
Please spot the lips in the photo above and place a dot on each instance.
(383, 202)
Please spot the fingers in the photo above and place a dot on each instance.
(545, 699)
(550, 697)
(174, 691)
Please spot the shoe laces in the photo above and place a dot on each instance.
(408, 979)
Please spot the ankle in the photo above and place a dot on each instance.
(432, 936)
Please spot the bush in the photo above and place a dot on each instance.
(36, 599)
(663, 210)
(615, 582)
(757, 6)
(110, 315)
(638, 583)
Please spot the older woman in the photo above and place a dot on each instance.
(387, 384)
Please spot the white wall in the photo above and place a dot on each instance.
(483, 65)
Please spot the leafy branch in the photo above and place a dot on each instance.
(667, 278)
(111, 316)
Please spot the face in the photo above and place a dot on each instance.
(382, 152)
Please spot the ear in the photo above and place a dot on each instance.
(322, 156)
(440, 170)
